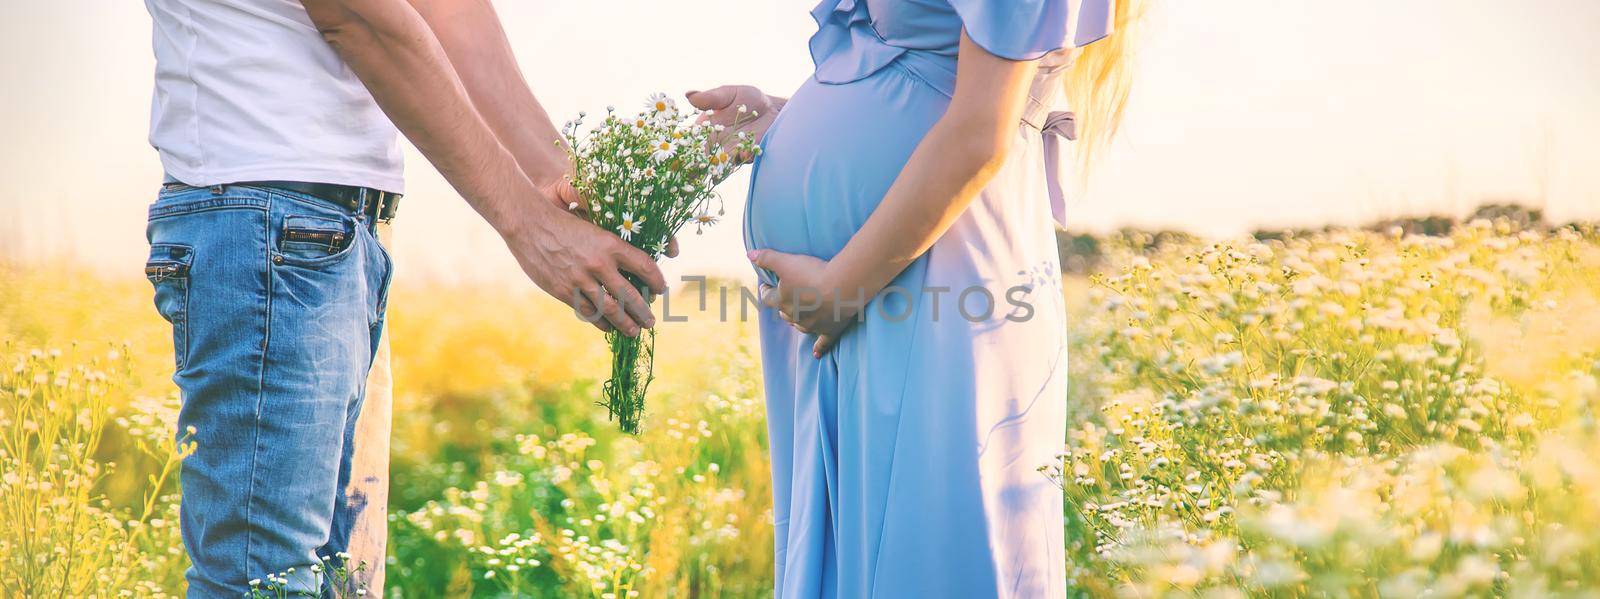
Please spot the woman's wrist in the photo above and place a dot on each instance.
(842, 286)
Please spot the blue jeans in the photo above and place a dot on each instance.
(276, 301)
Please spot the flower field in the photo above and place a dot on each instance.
(1350, 414)
(1344, 413)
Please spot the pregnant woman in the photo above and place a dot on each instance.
(914, 334)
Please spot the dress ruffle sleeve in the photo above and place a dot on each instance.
(845, 48)
(1029, 29)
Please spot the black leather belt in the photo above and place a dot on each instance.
(380, 205)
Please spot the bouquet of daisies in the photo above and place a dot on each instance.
(645, 177)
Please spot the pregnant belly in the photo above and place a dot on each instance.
(830, 157)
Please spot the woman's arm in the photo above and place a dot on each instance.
(956, 159)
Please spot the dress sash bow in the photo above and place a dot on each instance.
(1059, 127)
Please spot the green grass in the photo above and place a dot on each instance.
(1340, 414)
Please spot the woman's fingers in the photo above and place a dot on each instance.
(567, 198)
(772, 260)
(712, 99)
(772, 297)
(825, 342)
(795, 296)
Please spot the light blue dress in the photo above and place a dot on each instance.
(905, 462)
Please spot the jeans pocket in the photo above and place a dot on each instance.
(168, 271)
(380, 237)
(314, 241)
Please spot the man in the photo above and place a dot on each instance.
(276, 124)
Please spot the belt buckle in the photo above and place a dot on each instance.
(383, 211)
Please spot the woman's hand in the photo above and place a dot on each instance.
(739, 108)
(808, 297)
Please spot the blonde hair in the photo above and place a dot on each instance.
(1098, 83)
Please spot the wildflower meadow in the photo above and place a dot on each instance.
(1346, 413)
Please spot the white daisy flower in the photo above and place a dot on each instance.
(629, 226)
(660, 103)
(703, 219)
(660, 150)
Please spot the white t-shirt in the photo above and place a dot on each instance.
(247, 90)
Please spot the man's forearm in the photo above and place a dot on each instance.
(395, 54)
(472, 37)
(399, 59)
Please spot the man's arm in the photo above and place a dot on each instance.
(476, 44)
(398, 58)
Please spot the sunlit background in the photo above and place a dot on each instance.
(1246, 114)
(1400, 415)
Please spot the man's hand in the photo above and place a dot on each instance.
(759, 110)
(582, 265)
(567, 199)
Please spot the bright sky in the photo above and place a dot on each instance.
(1246, 114)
